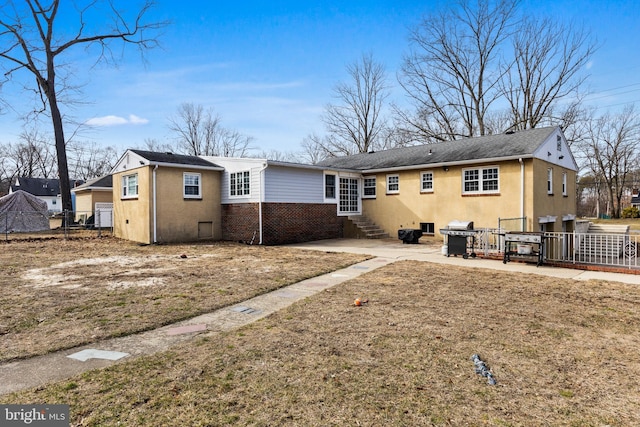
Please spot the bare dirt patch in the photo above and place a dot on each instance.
(564, 353)
(61, 293)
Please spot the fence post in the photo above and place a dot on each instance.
(97, 222)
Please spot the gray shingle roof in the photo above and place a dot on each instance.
(522, 143)
(178, 159)
(41, 186)
(100, 182)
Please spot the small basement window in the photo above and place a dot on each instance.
(427, 227)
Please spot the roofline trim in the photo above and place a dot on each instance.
(184, 166)
(441, 164)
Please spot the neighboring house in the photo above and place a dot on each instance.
(272, 202)
(529, 173)
(45, 189)
(165, 197)
(92, 192)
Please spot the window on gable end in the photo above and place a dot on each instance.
(130, 186)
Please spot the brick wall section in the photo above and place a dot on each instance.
(282, 222)
(239, 221)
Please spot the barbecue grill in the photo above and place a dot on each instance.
(460, 238)
(524, 243)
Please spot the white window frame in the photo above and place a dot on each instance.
(348, 195)
(240, 189)
(187, 183)
(395, 184)
(125, 193)
(550, 181)
(423, 182)
(564, 183)
(335, 186)
(481, 179)
(372, 186)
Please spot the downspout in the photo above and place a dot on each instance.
(155, 218)
(262, 187)
(521, 188)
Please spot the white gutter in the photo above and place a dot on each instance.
(155, 218)
(521, 187)
(262, 187)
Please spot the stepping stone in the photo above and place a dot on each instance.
(92, 353)
(187, 329)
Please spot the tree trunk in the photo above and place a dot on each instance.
(61, 152)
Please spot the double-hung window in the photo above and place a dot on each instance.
(369, 191)
(426, 182)
(550, 181)
(192, 185)
(393, 184)
(130, 186)
(481, 181)
(239, 184)
(564, 183)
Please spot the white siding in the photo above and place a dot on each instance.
(293, 185)
(282, 183)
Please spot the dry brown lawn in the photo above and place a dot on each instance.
(564, 353)
(59, 293)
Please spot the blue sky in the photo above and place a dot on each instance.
(268, 67)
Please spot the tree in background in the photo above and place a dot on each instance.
(471, 59)
(199, 132)
(354, 123)
(611, 149)
(548, 58)
(87, 160)
(31, 42)
(451, 75)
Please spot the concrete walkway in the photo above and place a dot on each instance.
(60, 365)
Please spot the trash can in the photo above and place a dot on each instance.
(409, 235)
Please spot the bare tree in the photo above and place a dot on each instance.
(548, 60)
(611, 148)
(451, 76)
(469, 60)
(88, 160)
(30, 41)
(32, 156)
(199, 132)
(315, 148)
(151, 144)
(354, 123)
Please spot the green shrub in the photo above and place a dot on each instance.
(630, 212)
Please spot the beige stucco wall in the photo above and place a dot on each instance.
(446, 203)
(132, 217)
(86, 200)
(555, 204)
(187, 220)
(177, 219)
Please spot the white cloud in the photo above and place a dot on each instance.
(112, 120)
